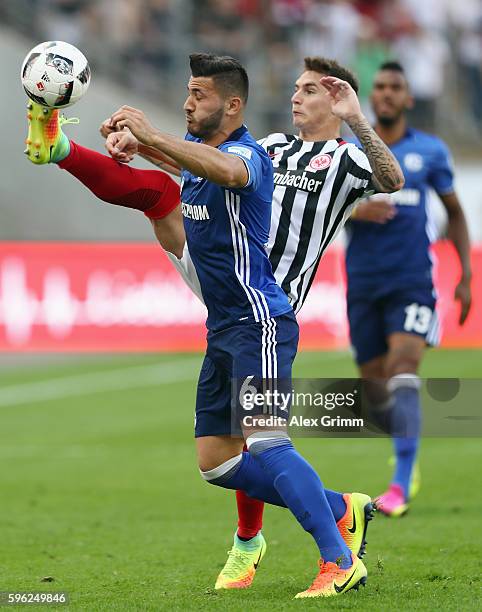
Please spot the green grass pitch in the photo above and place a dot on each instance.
(100, 491)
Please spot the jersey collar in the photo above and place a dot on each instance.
(340, 141)
(236, 135)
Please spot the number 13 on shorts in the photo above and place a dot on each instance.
(418, 318)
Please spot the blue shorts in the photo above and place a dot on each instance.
(265, 350)
(373, 316)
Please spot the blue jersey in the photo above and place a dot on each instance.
(226, 232)
(396, 255)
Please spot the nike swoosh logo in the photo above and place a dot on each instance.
(352, 529)
(257, 562)
(340, 588)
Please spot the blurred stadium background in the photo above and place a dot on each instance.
(114, 299)
(89, 494)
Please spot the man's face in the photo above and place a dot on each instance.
(204, 108)
(390, 96)
(310, 104)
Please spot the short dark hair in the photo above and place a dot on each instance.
(392, 65)
(330, 67)
(229, 76)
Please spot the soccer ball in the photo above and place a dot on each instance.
(55, 74)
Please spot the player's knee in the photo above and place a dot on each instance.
(261, 441)
(402, 362)
(373, 370)
(221, 474)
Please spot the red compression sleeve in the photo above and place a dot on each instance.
(250, 515)
(153, 192)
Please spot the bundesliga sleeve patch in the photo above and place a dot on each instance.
(243, 151)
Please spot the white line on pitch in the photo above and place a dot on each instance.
(101, 382)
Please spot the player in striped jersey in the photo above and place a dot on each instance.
(326, 176)
(391, 298)
(318, 179)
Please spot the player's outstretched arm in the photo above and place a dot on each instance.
(123, 145)
(459, 235)
(163, 162)
(387, 174)
(199, 159)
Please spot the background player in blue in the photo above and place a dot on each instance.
(391, 299)
(226, 204)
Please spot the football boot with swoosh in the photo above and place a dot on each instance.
(241, 565)
(333, 580)
(353, 525)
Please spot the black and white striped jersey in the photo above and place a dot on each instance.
(316, 186)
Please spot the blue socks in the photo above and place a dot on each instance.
(300, 487)
(337, 503)
(276, 473)
(248, 476)
(405, 427)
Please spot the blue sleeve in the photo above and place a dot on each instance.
(253, 160)
(441, 175)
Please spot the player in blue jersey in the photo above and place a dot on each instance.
(311, 104)
(227, 186)
(391, 298)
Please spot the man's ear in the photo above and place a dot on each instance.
(233, 105)
(410, 102)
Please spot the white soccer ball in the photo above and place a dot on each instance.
(55, 74)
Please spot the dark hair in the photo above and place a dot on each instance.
(330, 67)
(392, 65)
(229, 76)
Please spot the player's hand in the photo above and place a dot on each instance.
(137, 123)
(122, 146)
(463, 294)
(107, 127)
(376, 210)
(343, 99)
